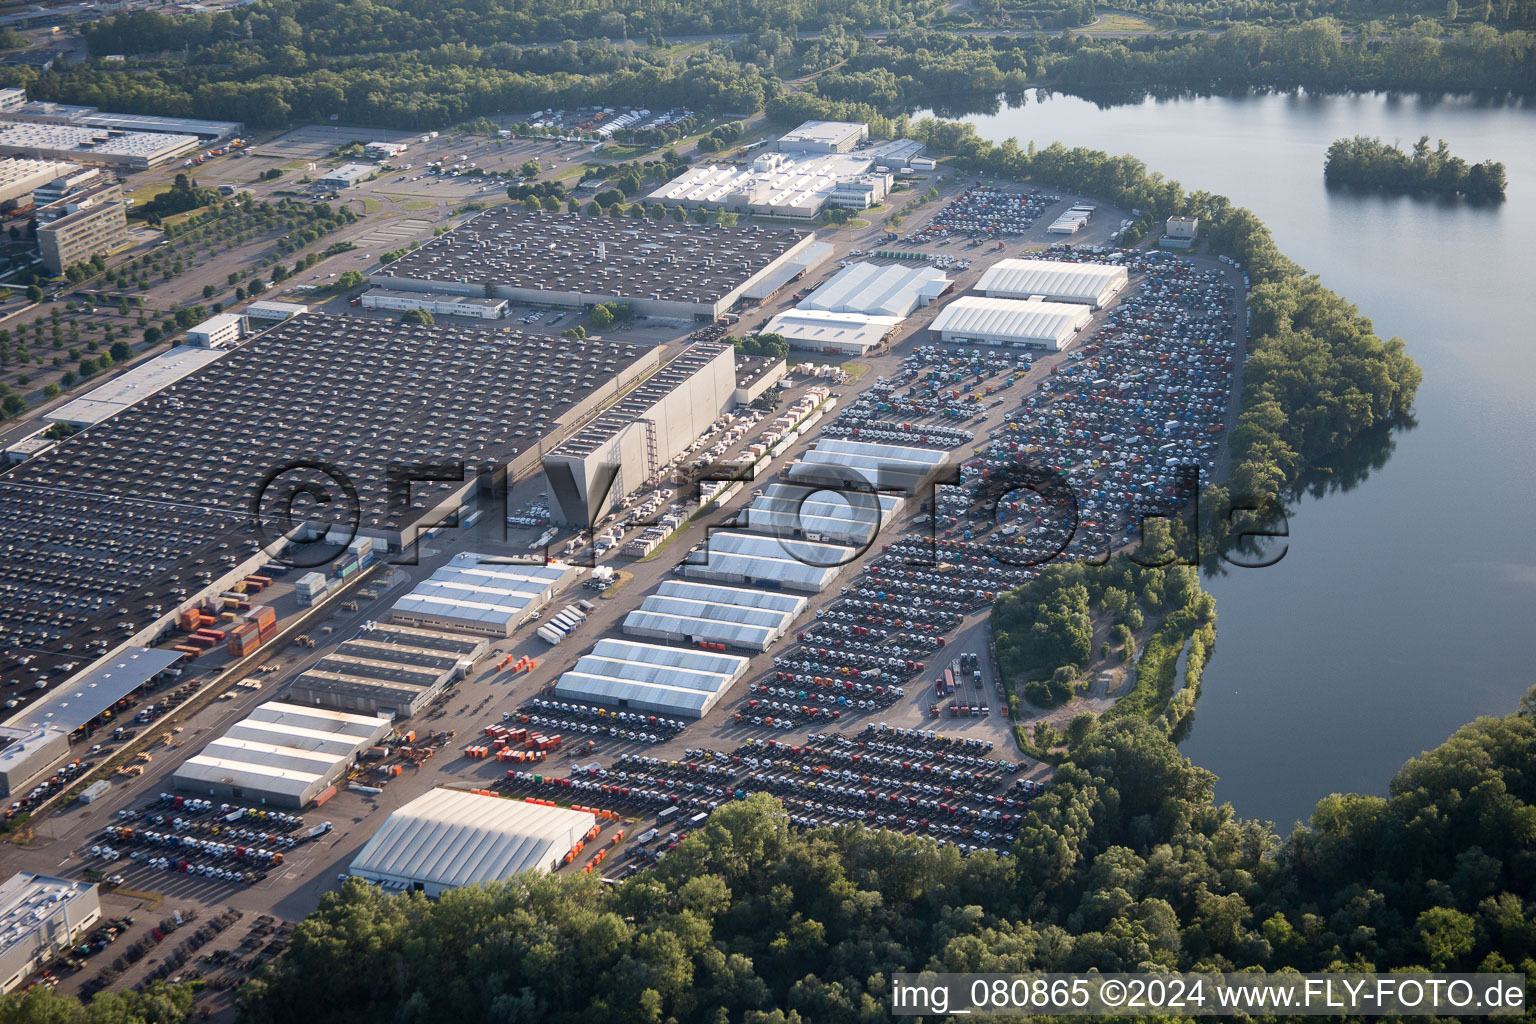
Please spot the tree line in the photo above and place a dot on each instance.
(1126, 863)
(1379, 166)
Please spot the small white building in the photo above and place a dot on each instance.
(346, 175)
(1179, 232)
(385, 150)
(218, 332)
(276, 311)
(974, 320)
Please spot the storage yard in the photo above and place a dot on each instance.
(815, 629)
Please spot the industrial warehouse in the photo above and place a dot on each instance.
(815, 513)
(657, 268)
(40, 917)
(87, 144)
(676, 681)
(818, 165)
(387, 669)
(690, 612)
(1093, 284)
(133, 386)
(449, 838)
(629, 445)
(35, 740)
(975, 320)
(859, 308)
(283, 755)
(475, 594)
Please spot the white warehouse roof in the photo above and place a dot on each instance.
(791, 509)
(692, 612)
(669, 680)
(284, 752)
(1093, 283)
(768, 561)
(893, 290)
(448, 838)
(479, 595)
(135, 385)
(1048, 325)
(822, 331)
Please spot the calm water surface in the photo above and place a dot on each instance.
(1403, 606)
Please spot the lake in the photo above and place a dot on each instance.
(1400, 609)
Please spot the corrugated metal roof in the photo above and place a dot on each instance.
(692, 590)
(675, 680)
(448, 838)
(1012, 320)
(1071, 282)
(892, 290)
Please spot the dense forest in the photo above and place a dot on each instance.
(411, 65)
(1378, 166)
(1125, 864)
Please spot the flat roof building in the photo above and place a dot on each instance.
(283, 754)
(974, 320)
(449, 838)
(677, 681)
(20, 177)
(797, 186)
(106, 147)
(133, 386)
(824, 137)
(630, 445)
(815, 513)
(266, 310)
(82, 225)
(836, 334)
(473, 306)
(40, 917)
(346, 175)
(1093, 284)
(657, 268)
(755, 375)
(219, 331)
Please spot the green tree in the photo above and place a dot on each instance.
(417, 316)
(601, 316)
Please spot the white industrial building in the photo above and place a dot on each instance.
(677, 681)
(133, 386)
(630, 445)
(40, 917)
(346, 175)
(817, 513)
(278, 311)
(975, 320)
(449, 838)
(1094, 284)
(824, 137)
(863, 465)
(385, 150)
(285, 755)
(834, 334)
(21, 177)
(892, 290)
(83, 144)
(219, 331)
(687, 611)
(736, 556)
(793, 185)
(473, 594)
(477, 307)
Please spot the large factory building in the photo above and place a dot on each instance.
(657, 268)
(630, 444)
